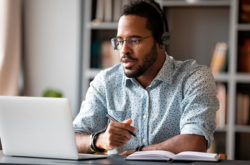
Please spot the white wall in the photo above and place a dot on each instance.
(51, 47)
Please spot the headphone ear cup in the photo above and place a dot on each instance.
(165, 38)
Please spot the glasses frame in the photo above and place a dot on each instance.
(128, 41)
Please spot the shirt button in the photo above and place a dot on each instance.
(144, 116)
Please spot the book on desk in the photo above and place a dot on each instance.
(169, 156)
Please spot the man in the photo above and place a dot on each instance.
(169, 105)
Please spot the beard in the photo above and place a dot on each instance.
(148, 61)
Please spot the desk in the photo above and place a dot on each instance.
(113, 160)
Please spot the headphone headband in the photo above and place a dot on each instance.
(165, 35)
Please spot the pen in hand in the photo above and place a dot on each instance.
(113, 119)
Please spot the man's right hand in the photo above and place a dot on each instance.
(116, 135)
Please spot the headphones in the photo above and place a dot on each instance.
(165, 37)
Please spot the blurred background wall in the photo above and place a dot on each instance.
(51, 49)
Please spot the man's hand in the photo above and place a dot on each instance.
(116, 135)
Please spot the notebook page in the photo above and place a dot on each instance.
(151, 155)
(191, 155)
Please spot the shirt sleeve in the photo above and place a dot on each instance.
(199, 104)
(91, 117)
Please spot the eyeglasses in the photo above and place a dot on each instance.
(117, 43)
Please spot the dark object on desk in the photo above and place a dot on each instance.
(223, 156)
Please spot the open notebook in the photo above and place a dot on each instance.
(38, 127)
(166, 155)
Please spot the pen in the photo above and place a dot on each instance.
(113, 119)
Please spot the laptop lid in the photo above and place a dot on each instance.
(37, 127)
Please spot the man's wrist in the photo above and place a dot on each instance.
(139, 148)
(99, 142)
(93, 141)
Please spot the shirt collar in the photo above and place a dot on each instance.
(165, 73)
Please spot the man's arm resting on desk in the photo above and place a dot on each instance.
(176, 144)
(179, 143)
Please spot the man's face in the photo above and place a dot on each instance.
(137, 58)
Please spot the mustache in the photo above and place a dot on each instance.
(128, 57)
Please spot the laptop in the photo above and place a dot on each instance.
(38, 127)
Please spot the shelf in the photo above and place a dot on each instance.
(221, 77)
(242, 128)
(195, 3)
(244, 27)
(243, 77)
(103, 25)
(239, 77)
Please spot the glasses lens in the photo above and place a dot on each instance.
(117, 43)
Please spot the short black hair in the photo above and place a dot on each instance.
(154, 16)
